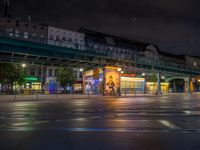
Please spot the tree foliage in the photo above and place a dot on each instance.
(10, 73)
(153, 77)
(65, 76)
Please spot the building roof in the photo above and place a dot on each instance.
(109, 39)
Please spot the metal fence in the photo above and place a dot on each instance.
(61, 94)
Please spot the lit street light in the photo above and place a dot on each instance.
(23, 65)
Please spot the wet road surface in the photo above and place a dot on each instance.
(165, 122)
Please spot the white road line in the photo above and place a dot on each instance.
(18, 124)
(168, 124)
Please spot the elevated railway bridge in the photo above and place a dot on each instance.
(21, 51)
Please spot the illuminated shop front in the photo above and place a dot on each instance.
(132, 84)
(92, 81)
(153, 87)
(32, 84)
(109, 81)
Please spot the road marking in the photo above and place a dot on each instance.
(18, 124)
(169, 124)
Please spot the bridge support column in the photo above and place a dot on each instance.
(158, 82)
(188, 85)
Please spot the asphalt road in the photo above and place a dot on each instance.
(139, 123)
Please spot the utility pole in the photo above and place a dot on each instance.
(6, 3)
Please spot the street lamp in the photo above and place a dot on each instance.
(122, 72)
(143, 74)
(119, 69)
(23, 65)
(81, 69)
(163, 77)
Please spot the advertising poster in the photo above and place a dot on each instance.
(112, 80)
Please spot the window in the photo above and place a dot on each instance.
(57, 38)
(42, 28)
(26, 25)
(64, 38)
(32, 72)
(11, 32)
(51, 37)
(70, 39)
(56, 72)
(17, 23)
(42, 36)
(16, 33)
(26, 35)
(39, 72)
(50, 72)
(75, 74)
(35, 26)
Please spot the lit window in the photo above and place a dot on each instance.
(16, 33)
(26, 35)
(11, 32)
(34, 35)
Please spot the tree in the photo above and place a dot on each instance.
(11, 73)
(153, 77)
(65, 76)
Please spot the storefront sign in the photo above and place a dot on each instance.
(31, 79)
(128, 75)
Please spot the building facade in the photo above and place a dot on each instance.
(65, 38)
(17, 29)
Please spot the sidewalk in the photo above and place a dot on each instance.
(78, 96)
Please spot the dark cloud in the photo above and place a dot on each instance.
(172, 25)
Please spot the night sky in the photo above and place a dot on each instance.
(173, 25)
